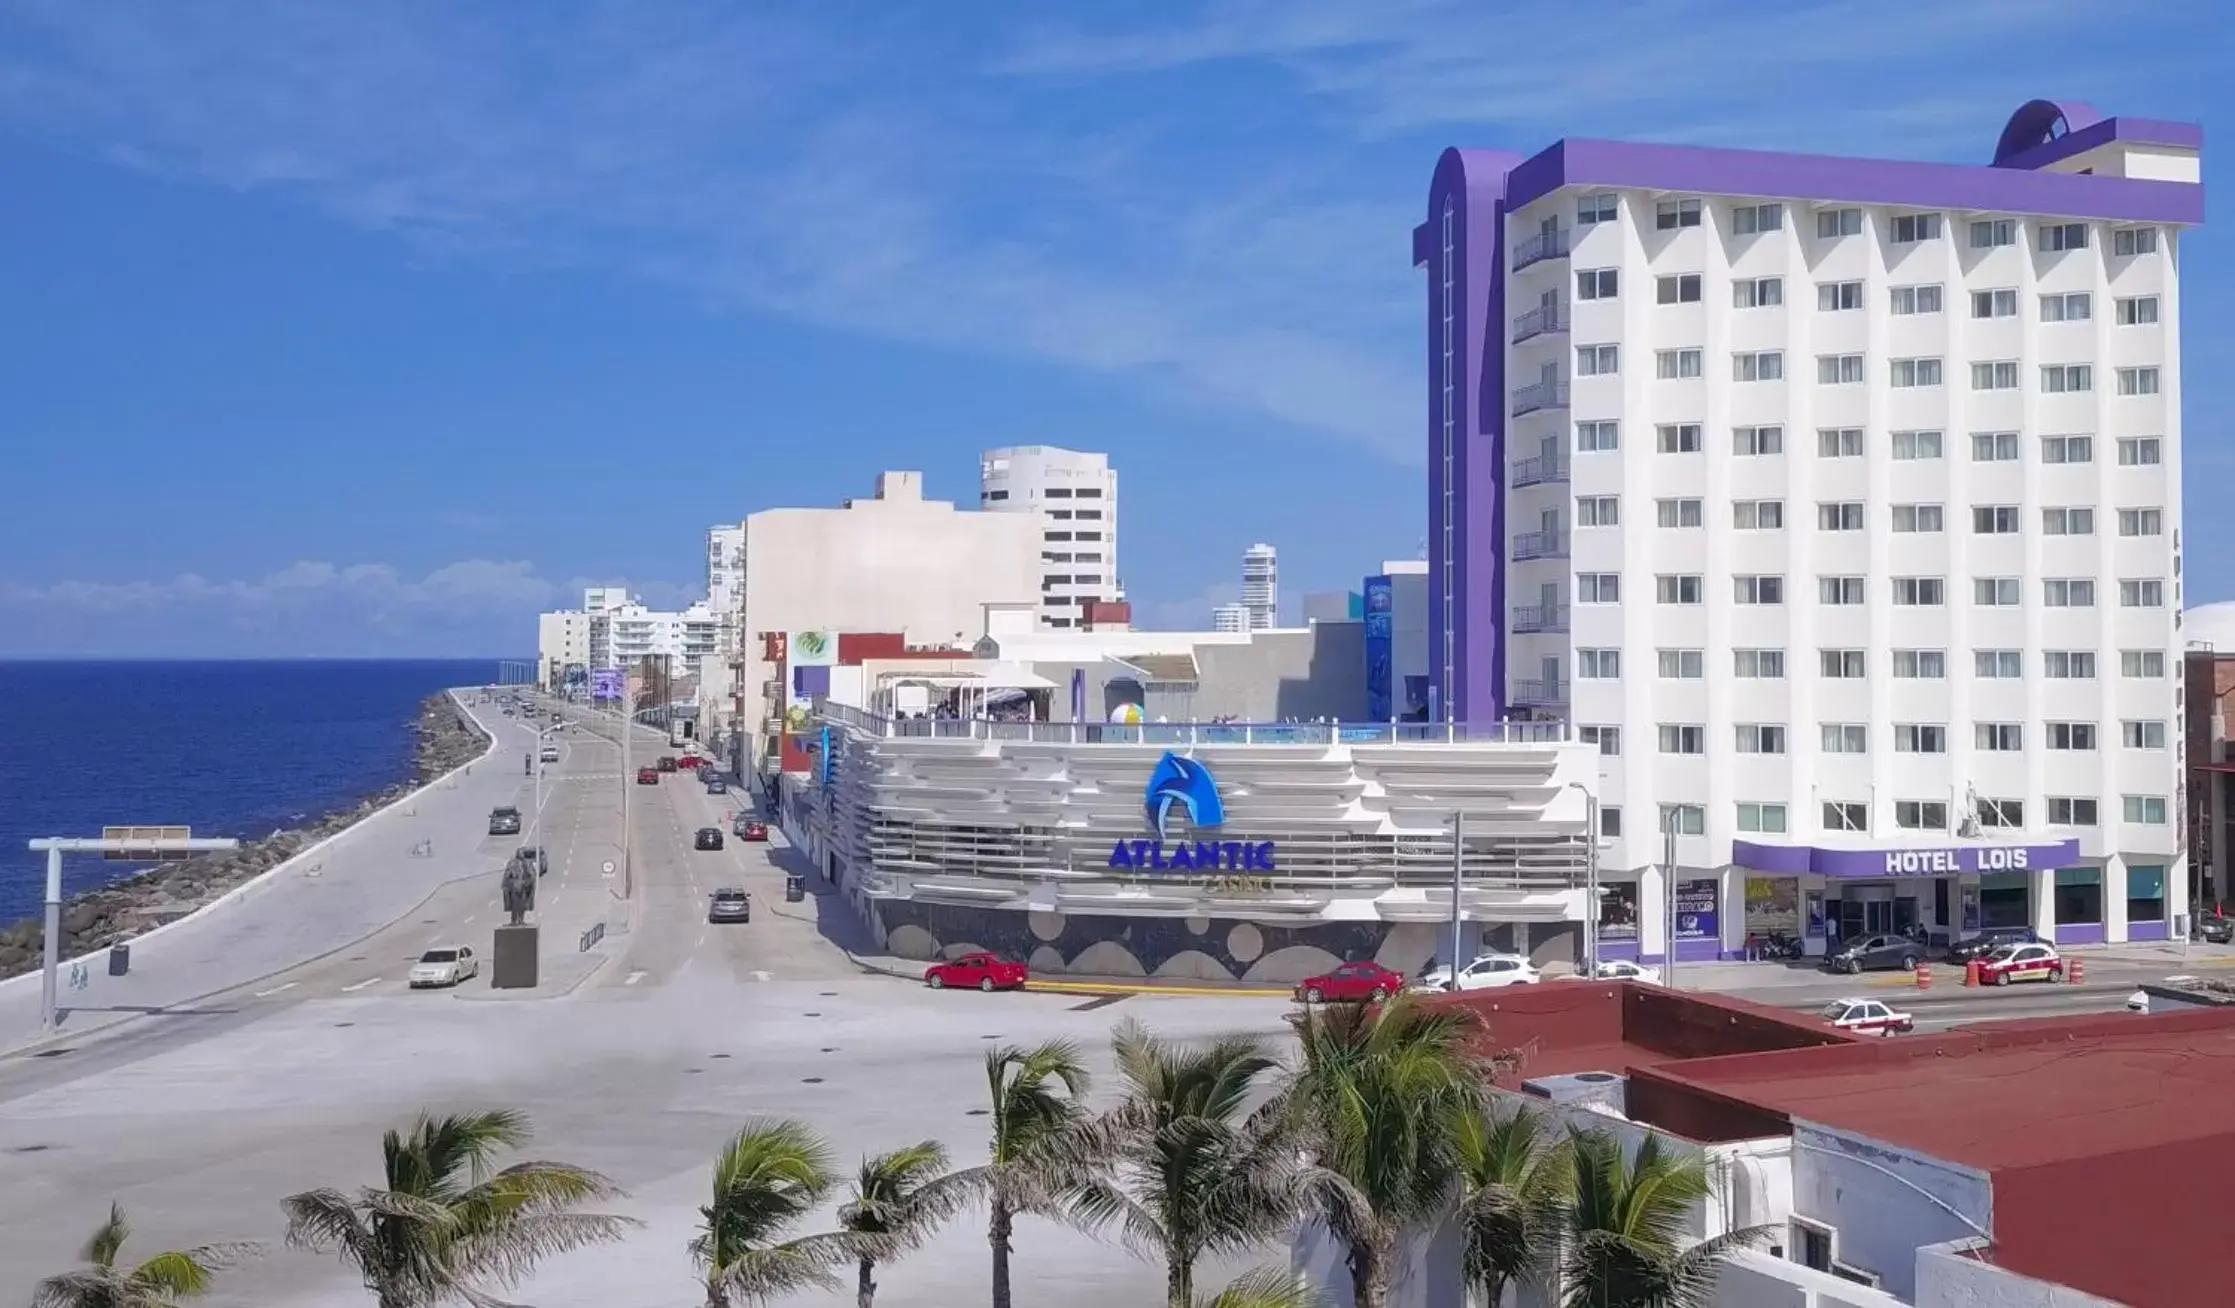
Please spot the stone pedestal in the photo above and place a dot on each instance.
(513, 959)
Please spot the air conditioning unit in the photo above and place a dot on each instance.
(1602, 1091)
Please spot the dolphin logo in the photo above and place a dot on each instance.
(1183, 782)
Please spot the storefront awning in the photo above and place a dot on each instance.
(1902, 861)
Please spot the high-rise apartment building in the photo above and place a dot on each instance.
(1839, 502)
(1261, 586)
(1230, 617)
(1076, 495)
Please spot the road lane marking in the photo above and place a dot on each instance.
(266, 994)
(468, 922)
(634, 977)
(349, 990)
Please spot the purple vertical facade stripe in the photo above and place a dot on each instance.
(2079, 933)
(2147, 931)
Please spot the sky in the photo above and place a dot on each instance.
(342, 329)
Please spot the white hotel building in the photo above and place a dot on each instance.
(1839, 500)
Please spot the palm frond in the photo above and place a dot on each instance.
(325, 1220)
(101, 1247)
(186, 1273)
(84, 1288)
(761, 1274)
(1266, 1287)
(770, 1175)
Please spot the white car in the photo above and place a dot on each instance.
(1867, 1017)
(444, 967)
(1488, 972)
(1619, 969)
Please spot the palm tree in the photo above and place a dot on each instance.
(1267, 1287)
(901, 1197)
(770, 1175)
(1042, 1148)
(163, 1281)
(1516, 1185)
(445, 1220)
(1625, 1246)
(1381, 1100)
(1192, 1173)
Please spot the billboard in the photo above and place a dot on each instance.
(607, 684)
(1381, 648)
(812, 649)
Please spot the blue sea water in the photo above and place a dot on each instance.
(229, 748)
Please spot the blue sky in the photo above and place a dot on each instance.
(338, 328)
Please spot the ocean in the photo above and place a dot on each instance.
(236, 749)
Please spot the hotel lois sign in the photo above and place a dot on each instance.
(1941, 862)
(1944, 861)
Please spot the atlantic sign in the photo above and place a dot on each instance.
(1179, 782)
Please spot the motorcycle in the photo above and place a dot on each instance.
(1780, 945)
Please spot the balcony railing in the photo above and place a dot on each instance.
(1539, 469)
(1540, 545)
(1540, 694)
(1541, 395)
(1540, 321)
(1540, 617)
(1551, 244)
(1198, 733)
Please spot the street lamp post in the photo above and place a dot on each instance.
(167, 847)
(1458, 872)
(1590, 877)
(1668, 893)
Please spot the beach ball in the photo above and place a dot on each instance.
(1126, 715)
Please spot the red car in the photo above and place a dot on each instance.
(647, 776)
(988, 972)
(2027, 962)
(1351, 983)
(753, 831)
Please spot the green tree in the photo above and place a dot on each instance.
(445, 1220)
(1190, 1171)
(1267, 1287)
(163, 1281)
(1626, 1243)
(1042, 1147)
(1515, 1181)
(1381, 1099)
(768, 1178)
(900, 1198)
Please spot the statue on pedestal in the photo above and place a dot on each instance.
(519, 890)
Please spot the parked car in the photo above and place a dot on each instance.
(1987, 941)
(1882, 953)
(534, 854)
(665, 763)
(1351, 983)
(504, 821)
(753, 831)
(988, 972)
(730, 904)
(707, 838)
(549, 753)
(1867, 1017)
(1617, 969)
(2034, 962)
(647, 776)
(444, 967)
(1486, 972)
(2216, 930)
(715, 785)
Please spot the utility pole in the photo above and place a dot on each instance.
(1458, 873)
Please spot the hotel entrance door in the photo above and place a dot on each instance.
(1871, 909)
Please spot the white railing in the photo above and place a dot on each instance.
(1552, 244)
(1198, 733)
(1540, 395)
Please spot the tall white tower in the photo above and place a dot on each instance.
(1261, 585)
(1075, 494)
(1230, 617)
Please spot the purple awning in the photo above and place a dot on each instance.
(1909, 861)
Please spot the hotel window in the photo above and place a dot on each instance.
(1921, 814)
(1677, 288)
(2067, 378)
(1994, 520)
(1845, 515)
(1758, 664)
(1682, 664)
(1752, 589)
(1839, 369)
(1916, 299)
(2142, 735)
(1598, 511)
(1920, 592)
(2137, 381)
(1758, 365)
(1600, 208)
(1598, 283)
(1833, 223)
(1839, 442)
(2069, 811)
(2142, 663)
(2070, 736)
(2134, 240)
(1920, 664)
(1835, 297)
(1757, 515)
(1610, 821)
(2063, 236)
(2068, 664)
(1912, 518)
(2138, 311)
(1598, 588)
(1911, 373)
(1678, 438)
(1987, 233)
(1909, 445)
(1759, 293)
(1598, 665)
(1608, 739)
(1683, 738)
(2140, 451)
(1669, 215)
(1677, 588)
(2147, 810)
(1843, 664)
(2141, 593)
(2068, 592)
(1597, 360)
(1995, 592)
(2073, 306)
(1999, 376)
(1998, 737)
(1684, 819)
(1761, 738)
(2141, 522)
(1994, 304)
(1840, 590)
(1761, 818)
(1910, 228)
(1597, 437)
(1846, 738)
(2001, 813)
(2067, 449)
(1678, 365)
(1746, 441)
(2066, 521)
(1678, 513)
(1752, 219)
(1843, 816)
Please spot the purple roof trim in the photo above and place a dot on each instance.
(1792, 860)
(1771, 175)
(2037, 123)
(2136, 131)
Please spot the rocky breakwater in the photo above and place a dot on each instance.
(445, 739)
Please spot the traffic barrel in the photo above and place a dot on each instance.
(1971, 973)
(2074, 970)
(1924, 976)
